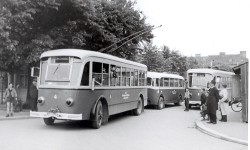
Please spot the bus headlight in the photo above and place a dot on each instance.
(41, 100)
(69, 101)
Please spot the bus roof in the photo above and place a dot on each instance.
(162, 75)
(210, 71)
(82, 54)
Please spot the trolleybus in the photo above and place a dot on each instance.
(86, 85)
(164, 88)
(200, 78)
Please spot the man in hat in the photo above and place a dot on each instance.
(212, 102)
(222, 103)
(33, 93)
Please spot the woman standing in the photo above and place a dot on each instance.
(212, 102)
(222, 103)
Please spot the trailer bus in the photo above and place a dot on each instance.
(164, 88)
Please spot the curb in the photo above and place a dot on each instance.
(16, 118)
(200, 126)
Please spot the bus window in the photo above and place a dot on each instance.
(171, 82)
(132, 77)
(97, 73)
(128, 76)
(135, 77)
(149, 81)
(175, 82)
(161, 82)
(118, 79)
(141, 78)
(123, 76)
(157, 82)
(105, 74)
(85, 75)
(190, 75)
(180, 83)
(166, 82)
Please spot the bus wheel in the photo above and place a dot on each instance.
(138, 110)
(160, 103)
(96, 124)
(49, 121)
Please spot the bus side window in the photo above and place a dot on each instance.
(171, 82)
(157, 82)
(105, 74)
(118, 71)
(149, 81)
(135, 77)
(85, 75)
(97, 73)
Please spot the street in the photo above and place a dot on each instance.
(170, 128)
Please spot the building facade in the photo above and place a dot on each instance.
(222, 61)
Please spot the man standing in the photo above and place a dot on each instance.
(33, 95)
(212, 102)
(10, 96)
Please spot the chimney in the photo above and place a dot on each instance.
(243, 54)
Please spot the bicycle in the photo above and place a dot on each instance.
(236, 104)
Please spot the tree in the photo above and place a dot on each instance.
(151, 57)
(28, 28)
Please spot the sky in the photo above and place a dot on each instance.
(204, 27)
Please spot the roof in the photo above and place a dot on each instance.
(211, 71)
(162, 75)
(82, 54)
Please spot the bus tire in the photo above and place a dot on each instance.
(98, 116)
(139, 108)
(49, 121)
(160, 103)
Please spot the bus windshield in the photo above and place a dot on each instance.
(199, 80)
(58, 72)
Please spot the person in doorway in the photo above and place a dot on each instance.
(10, 96)
(212, 102)
(222, 103)
(33, 93)
(186, 98)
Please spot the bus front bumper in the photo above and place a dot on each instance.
(64, 116)
(194, 102)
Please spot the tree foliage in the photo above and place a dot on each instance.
(30, 27)
(163, 59)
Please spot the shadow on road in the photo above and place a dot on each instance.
(85, 125)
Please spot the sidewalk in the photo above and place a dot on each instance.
(24, 114)
(234, 130)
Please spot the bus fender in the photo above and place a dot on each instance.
(106, 113)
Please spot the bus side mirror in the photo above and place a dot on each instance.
(93, 84)
(35, 72)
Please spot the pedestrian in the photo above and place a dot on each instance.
(186, 98)
(10, 96)
(203, 104)
(212, 102)
(33, 93)
(222, 103)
